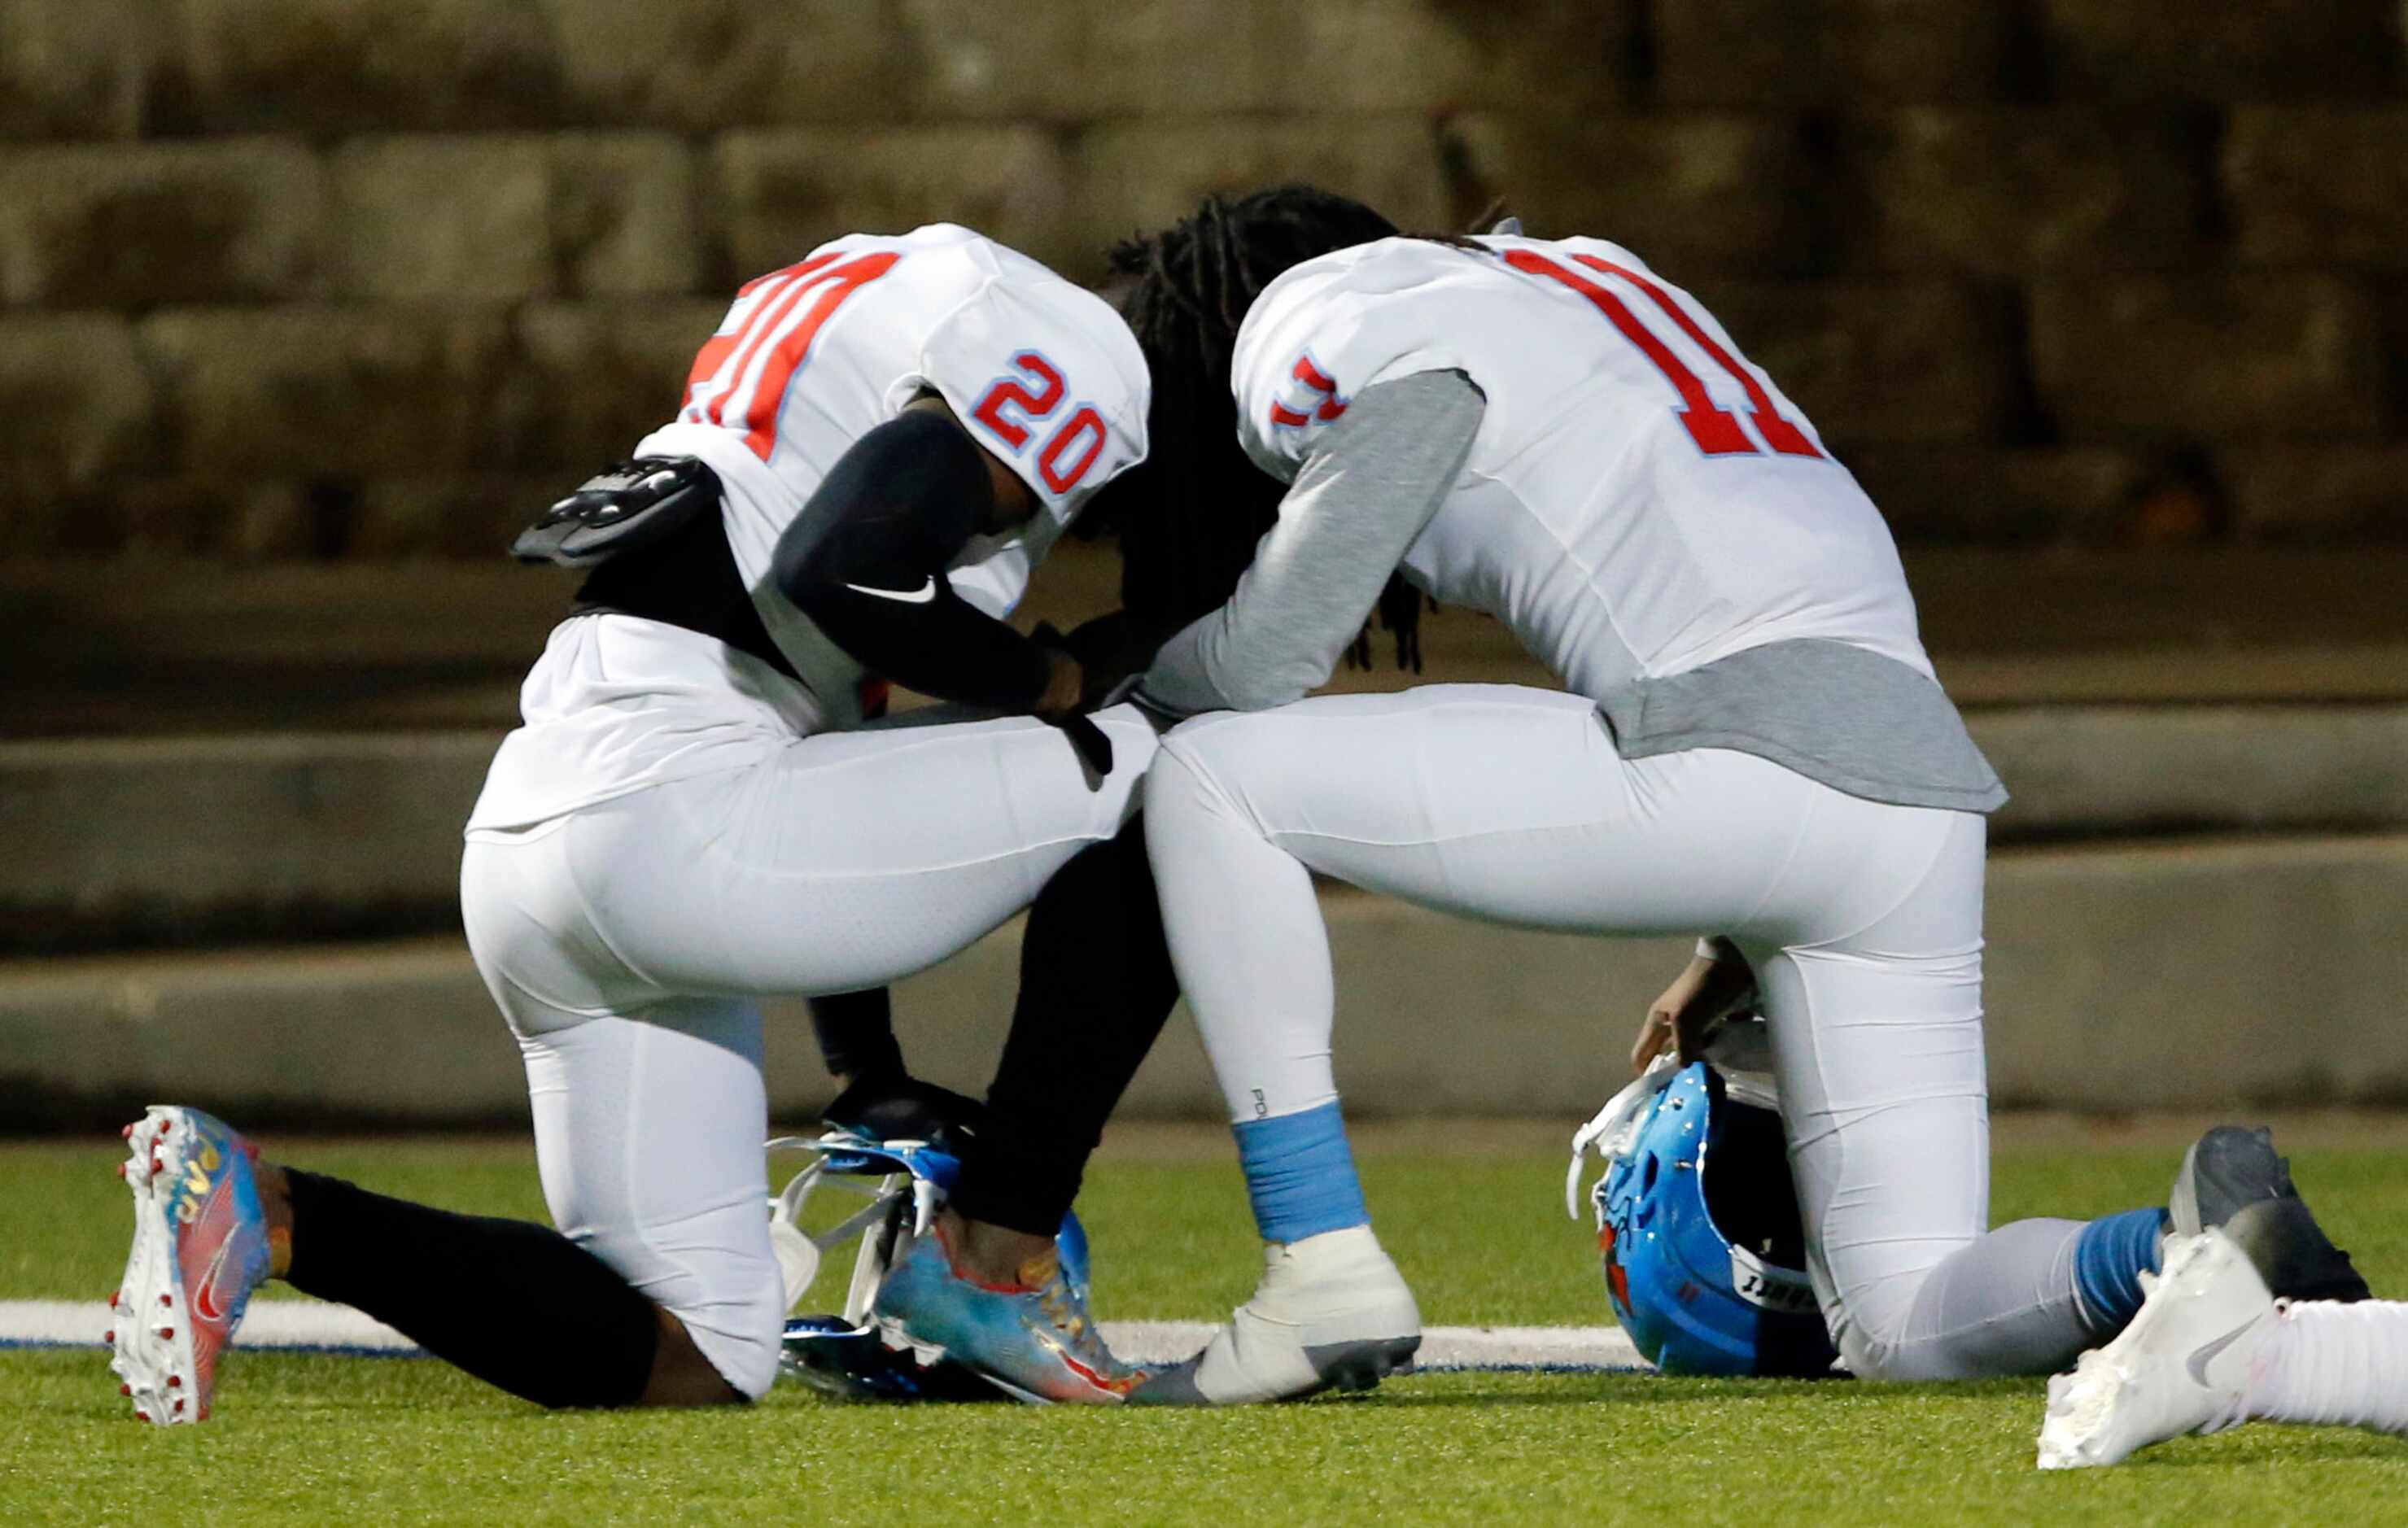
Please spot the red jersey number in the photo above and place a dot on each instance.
(1009, 397)
(1716, 430)
(1010, 412)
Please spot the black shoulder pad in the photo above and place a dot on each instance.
(627, 507)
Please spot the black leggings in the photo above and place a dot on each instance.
(1095, 987)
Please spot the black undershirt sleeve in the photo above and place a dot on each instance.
(866, 559)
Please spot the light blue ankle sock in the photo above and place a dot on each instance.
(2109, 1257)
(1300, 1173)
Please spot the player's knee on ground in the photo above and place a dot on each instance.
(1869, 1319)
(2002, 1304)
(1879, 1338)
(1870, 1353)
(731, 1303)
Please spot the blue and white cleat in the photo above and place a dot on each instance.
(200, 1246)
(1036, 1343)
(1332, 1312)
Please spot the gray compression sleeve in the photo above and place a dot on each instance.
(1370, 486)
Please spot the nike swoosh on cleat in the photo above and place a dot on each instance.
(2206, 1353)
(921, 595)
(206, 1304)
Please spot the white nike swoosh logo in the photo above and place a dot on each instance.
(2206, 1353)
(207, 1304)
(921, 595)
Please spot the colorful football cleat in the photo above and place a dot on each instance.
(1036, 1343)
(200, 1248)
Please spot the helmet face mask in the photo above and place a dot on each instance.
(885, 1193)
(1698, 1229)
(880, 1201)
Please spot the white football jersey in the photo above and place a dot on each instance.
(1042, 373)
(1640, 499)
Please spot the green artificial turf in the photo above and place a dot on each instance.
(305, 1438)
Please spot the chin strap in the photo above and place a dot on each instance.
(1741, 1049)
(1615, 1127)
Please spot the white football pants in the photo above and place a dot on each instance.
(626, 943)
(1863, 922)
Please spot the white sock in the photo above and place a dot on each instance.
(2338, 1365)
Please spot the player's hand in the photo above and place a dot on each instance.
(1112, 648)
(1064, 704)
(1683, 1018)
(1065, 682)
(895, 1106)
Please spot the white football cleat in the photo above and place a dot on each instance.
(2183, 1366)
(1331, 1310)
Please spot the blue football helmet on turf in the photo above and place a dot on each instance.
(1697, 1223)
(904, 1182)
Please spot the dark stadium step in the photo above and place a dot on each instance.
(169, 647)
(122, 844)
(2122, 978)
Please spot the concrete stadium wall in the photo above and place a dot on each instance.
(175, 647)
(366, 278)
(119, 843)
(2120, 978)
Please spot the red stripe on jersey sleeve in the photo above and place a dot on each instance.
(761, 418)
(1716, 432)
(1778, 432)
(772, 311)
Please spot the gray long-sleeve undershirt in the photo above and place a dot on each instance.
(1375, 480)
(1848, 717)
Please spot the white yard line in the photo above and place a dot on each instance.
(1442, 1346)
(269, 1323)
(310, 1324)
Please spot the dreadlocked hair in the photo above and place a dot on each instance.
(1191, 515)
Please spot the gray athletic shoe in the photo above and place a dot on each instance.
(2234, 1180)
